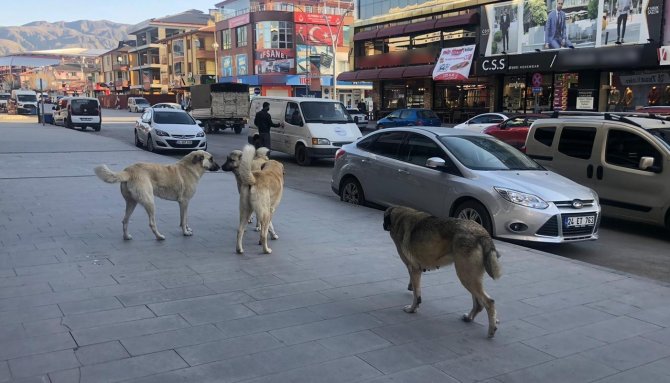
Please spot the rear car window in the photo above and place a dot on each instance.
(84, 107)
(141, 101)
(545, 135)
(387, 144)
(427, 114)
(577, 142)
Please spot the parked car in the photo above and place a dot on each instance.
(661, 110)
(409, 117)
(4, 98)
(457, 173)
(22, 101)
(515, 129)
(626, 160)
(80, 112)
(360, 118)
(480, 122)
(169, 105)
(137, 104)
(169, 129)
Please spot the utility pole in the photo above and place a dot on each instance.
(334, 40)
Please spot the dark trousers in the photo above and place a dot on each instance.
(505, 39)
(621, 32)
(264, 140)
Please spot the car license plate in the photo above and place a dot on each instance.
(184, 142)
(588, 220)
(86, 119)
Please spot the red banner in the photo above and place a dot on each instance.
(311, 34)
(314, 18)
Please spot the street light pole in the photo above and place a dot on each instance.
(334, 40)
(308, 65)
(215, 45)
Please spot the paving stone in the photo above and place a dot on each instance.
(574, 369)
(267, 322)
(43, 363)
(564, 343)
(616, 329)
(287, 289)
(659, 315)
(326, 328)
(5, 375)
(628, 353)
(660, 336)
(166, 295)
(424, 374)
(101, 352)
(132, 368)
(228, 348)
(127, 329)
(568, 318)
(171, 339)
(35, 345)
(291, 302)
(199, 303)
(45, 327)
(407, 356)
(244, 283)
(217, 314)
(344, 370)
(355, 343)
(108, 317)
(90, 305)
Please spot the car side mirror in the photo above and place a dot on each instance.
(646, 163)
(198, 122)
(436, 162)
(301, 123)
(53, 108)
(356, 119)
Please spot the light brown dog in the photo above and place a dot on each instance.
(427, 242)
(232, 164)
(260, 192)
(142, 181)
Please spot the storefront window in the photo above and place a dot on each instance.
(632, 90)
(409, 94)
(473, 98)
(274, 34)
(394, 96)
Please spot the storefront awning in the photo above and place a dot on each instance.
(419, 71)
(366, 35)
(454, 21)
(391, 31)
(391, 73)
(420, 27)
(367, 74)
(346, 76)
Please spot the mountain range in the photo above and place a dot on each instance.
(42, 35)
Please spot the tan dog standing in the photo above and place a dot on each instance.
(142, 181)
(260, 192)
(427, 242)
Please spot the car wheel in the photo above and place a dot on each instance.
(68, 124)
(301, 156)
(257, 141)
(97, 127)
(138, 143)
(352, 192)
(150, 144)
(238, 129)
(474, 211)
(83, 127)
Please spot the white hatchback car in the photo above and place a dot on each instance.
(480, 122)
(169, 129)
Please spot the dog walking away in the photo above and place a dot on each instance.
(232, 164)
(426, 242)
(142, 181)
(260, 192)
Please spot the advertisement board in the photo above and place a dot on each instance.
(454, 63)
(227, 66)
(309, 53)
(242, 67)
(316, 18)
(274, 61)
(523, 26)
(313, 34)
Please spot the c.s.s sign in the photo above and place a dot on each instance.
(493, 64)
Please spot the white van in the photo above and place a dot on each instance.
(78, 111)
(309, 128)
(4, 98)
(22, 101)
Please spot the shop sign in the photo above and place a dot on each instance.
(313, 18)
(584, 102)
(274, 54)
(454, 63)
(540, 62)
(664, 55)
(645, 78)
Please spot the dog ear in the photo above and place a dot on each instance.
(387, 218)
(198, 158)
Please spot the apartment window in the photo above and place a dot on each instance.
(190, 68)
(274, 34)
(177, 68)
(202, 67)
(226, 40)
(201, 43)
(241, 33)
(188, 44)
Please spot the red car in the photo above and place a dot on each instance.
(514, 130)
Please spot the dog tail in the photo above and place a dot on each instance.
(491, 256)
(107, 175)
(246, 176)
(262, 152)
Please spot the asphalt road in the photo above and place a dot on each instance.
(629, 247)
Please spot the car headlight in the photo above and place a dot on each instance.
(595, 196)
(161, 133)
(200, 134)
(523, 199)
(320, 141)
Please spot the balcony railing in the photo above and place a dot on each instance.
(288, 7)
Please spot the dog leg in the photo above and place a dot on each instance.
(265, 220)
(476, 309)
(245, 214)
(472, 281)
(183, 209)
(130, 207)
(151, 212)
(273, 234)
(415, 281)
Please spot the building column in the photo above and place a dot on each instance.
(428, 93)
(376, 97)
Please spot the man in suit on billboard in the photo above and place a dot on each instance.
(555, 30)
(504, 28)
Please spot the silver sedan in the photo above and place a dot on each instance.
(457, 173)
(169, 129)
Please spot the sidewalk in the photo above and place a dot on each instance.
(77, 303)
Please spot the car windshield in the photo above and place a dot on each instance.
(354, 111)
(662, 135)
(324, 112)
(173, 118)
(484, 153)
(81, 106)
(4, 97)
(27, 98)
(141, 101)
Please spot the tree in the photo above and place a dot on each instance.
(536, 12)
(592, 9)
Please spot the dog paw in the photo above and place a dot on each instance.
(274, 236)
(240, 251)
(188, 233)
(267, 251)
(127, 237)
(492, 332)
(466, 318)
(258, 228)
(409, 309)
(160, 237)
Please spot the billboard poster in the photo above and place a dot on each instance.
(314, 75)
(227, 66)
(312, 34)
(523, 26)
(242, 68)
(454, 63)
(274, 61)
(309, 53)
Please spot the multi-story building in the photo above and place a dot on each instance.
(287, 47)
(150, 70)
(508, 60)
(190, 58)
(115, 67)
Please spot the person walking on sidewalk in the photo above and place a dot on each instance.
(263, 122)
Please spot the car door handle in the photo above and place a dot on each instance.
(403, 171)
(589, 171)
(599, 172)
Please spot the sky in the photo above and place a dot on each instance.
(17, 12)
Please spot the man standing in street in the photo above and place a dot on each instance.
(263, 122)
(555, 30)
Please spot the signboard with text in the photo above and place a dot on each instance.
(314, 18)
(454, 63)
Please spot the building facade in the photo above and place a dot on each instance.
(190, 59)
(115, 67)
(514, 65)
